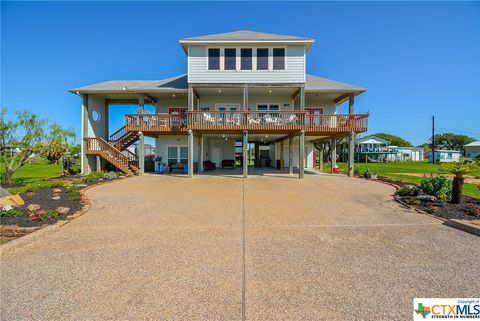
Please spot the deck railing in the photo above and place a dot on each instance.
(249, 120)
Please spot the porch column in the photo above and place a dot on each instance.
(351, 139)
(320, 156)
(282, 150)
(245, 97)
(190, 153)
(333, 152)
(200, 159)
(245, 154)
(301, 154)
(190, 97)
(141, 138)
(302, 98)
(290, 154)
(98, 165)
(257, 154)
(84, 134)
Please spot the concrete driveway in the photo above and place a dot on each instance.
(224, 248)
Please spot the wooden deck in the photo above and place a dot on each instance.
(255, 121)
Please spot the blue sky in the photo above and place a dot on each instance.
(415, 58)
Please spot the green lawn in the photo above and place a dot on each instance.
(30, 175)
(399, 171)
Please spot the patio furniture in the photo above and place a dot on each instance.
(161, 169)
(176, 166)
(228, 163)
(209, 166)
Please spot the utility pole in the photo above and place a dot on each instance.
(433, 139)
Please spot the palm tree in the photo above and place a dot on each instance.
(458, 169)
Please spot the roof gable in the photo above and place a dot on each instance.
(371, 140)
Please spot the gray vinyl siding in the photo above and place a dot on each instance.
(294, 68)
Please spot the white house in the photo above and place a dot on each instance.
(403, 154)
(472, 150)
(445, 156)
(242, 89)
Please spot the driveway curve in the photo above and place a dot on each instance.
(224, 248)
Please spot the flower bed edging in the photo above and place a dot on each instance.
(464, 225)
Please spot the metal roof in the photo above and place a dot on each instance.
(179, 83)
(475, 143)
(245, 35)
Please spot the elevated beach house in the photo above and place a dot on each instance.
(243, 91)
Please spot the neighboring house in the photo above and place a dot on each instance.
(404, 154)
(375, 149)
(10, 150)
(242, 89)
(148, 149)
(445, 156)
(472, 150)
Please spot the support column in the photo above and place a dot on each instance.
(333, 152)
(190, 97)
(141, 138)
(257, 154)
(282, 150)
(245, 154)
(84, 134)
(351, 139)
(290, 155)
(98, 165)
(302, 98)
(190, 153)
(202, 153)
(245, 97)
(301, 154)
(320, 156)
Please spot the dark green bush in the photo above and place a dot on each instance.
(409, 190)
(39, 160)
(10, 213)
(74, 193)
(440, 187)
(93, 177)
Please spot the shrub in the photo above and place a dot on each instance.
(54, 184)
(8, 211)
(110, 175)
(39, 160)
(43, 215)
(409, 190)
(473, 209)
(440, 187)
(412, 201)
(33, 187)
(74, 193)
(93, 176)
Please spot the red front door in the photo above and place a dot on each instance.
(314, 118)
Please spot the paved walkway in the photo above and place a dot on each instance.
(224, 248)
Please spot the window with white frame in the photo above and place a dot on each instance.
(177, 154)
(262, 59)
(246, 59)
(268, 107)
(278, 58)
(230, 59)
(214, 59)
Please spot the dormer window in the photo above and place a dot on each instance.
(262, 59)
(278, 59)
(246, 61)
(230, 59)
(214, 59)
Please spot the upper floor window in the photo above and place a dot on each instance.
(214, 59)
(278, 59)
(230, 59)
(246, 61)
(262, 59)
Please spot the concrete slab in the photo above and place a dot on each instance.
(223, 248)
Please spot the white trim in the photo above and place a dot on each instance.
(237, 59)
(254, 59)
(178, 152)
(207, 55)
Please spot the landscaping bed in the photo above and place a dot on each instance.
(468, 210)
(46, 199)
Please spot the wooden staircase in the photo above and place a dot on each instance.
(124, 160)
(122, 139)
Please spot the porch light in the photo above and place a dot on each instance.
(270, 91)
(173, 95)
(219, 91)
(223, 136)
(124, 87)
